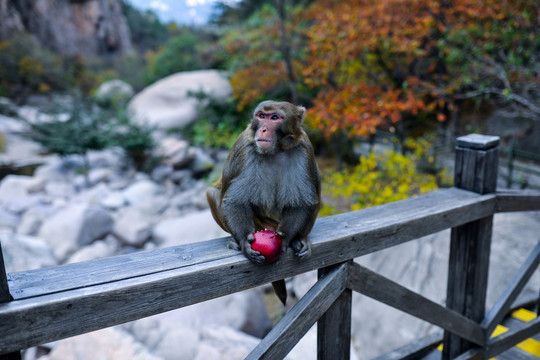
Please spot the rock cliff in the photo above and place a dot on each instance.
(71, 27)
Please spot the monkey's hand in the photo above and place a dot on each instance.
(251, 254)
(301, 247)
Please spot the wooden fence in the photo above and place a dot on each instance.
(39, 306)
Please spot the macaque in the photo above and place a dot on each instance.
(270, 181)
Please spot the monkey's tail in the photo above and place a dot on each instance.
(281, 290)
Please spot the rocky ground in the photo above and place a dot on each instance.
(58, 216)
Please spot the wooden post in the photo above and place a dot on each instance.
(5, 297)
(334, 327)
(475, 170)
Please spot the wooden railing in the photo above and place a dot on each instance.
(39, 306)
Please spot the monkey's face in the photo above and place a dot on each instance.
(276, 126)
(266, 132)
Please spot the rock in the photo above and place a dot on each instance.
(96, 176)
(75, 226)
(202, 163)
(194, 227)
(133, 227)
(161, 173)
(175, 152)
(141, 192)
(114, 200)
(147, 196)
(14, 194)
(166, 103)
(59, 169)
(25, 252)
(8, 220)
(14, 185)
(90, 28)
(194, 198)
(32, 219)
(60, 189)
(114, 92)
(97, 250)
(180, 177)
(223, 343)
(109, 343)
(231, 314)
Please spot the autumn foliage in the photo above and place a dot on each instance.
(364, 65)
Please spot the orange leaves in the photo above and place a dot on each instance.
(360, 109)
(251, 83)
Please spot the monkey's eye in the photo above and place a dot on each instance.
(275, 117)
(261, 115)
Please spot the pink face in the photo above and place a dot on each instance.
(266, 132)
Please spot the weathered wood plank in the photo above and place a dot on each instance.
(476, 164)
(388, 292)
(503, 304)
(286, 334)
(519, 200)
(30, 283)
(511, 338)
(4, 298)
(4, 289)
(334, 326)
(415, 350)
(471, 354)
(335, 239)
(476, 167)
(59, 313)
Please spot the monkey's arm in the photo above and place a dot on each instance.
(239, 220)
(295, 225)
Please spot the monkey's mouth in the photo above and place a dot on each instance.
(263, 143)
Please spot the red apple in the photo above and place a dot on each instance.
(268, 243)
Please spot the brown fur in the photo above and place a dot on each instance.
(276, 189)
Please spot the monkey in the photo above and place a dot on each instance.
(270, 181)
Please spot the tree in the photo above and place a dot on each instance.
(378, 64)
(265, 54)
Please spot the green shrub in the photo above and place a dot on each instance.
(88, 127)
(2, 143)
(180, 53)
(218, 123)
(379, 179)
(25, 67)
(136, 141)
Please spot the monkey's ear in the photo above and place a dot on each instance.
(301, 112)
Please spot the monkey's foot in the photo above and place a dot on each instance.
(302, 248)
(254, 256)
(232, 244)
(251, 254)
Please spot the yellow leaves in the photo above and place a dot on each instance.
(30, 66)
(377, 179)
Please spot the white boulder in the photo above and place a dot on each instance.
(109, 343)
(74, 226)
(25, 252)
(167, 104)
(191, 228)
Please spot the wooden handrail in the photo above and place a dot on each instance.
(62, 301)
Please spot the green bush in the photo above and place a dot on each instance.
(218, 123)
(136, 141)
(380, 179)
(2, 143)
(87, 127)
(180, 53)
(25, 68)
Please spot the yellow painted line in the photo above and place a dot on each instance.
(524, 315)
(531, 346)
